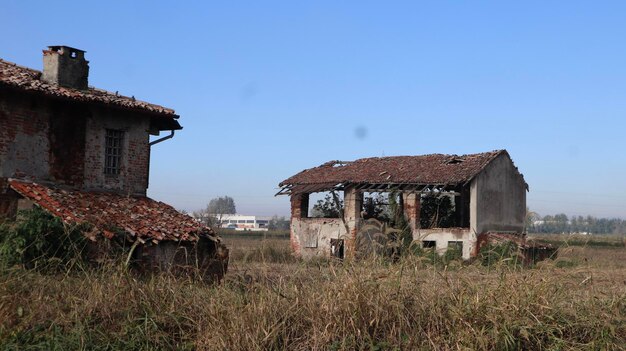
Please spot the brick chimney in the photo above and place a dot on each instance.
(65, 66)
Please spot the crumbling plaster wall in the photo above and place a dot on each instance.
(311, 236)
(494, 201)
(498, 198)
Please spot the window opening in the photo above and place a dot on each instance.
(113, 151)
(336, 248)
(326, 204)
(437, 211)
(429, 244)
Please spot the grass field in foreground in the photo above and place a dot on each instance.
(269, 300)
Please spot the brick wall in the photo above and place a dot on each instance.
(64, 142)
(133, 177)
(299, 209)
(24, 141)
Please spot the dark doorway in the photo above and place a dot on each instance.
(336, 248)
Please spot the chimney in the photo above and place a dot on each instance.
(65, 66)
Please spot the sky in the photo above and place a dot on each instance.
(266, 89)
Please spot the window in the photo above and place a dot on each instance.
(455, 245)
(249, 220)
(336, 248)
(113, 151)
(325, 204)
(455, 249)
(429, 244)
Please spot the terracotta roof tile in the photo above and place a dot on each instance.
(28, 79)
(433, 169)
(140, 217)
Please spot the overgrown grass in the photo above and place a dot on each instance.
(249, 234)
(271, 300)
(564, 240)
(264, 305)
(245, 249)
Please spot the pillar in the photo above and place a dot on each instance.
(412, 208)
(353, 202)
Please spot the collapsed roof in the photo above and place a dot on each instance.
(29, 80)
(144, 219)
(394, 172)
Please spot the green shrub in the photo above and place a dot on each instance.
(432, 257)
(39, 240)
(507, 253)
(453, 253)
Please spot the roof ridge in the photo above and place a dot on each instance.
(423, 169)
(497, 151)
(29, 79)
(10, 63)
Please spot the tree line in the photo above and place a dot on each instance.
(562, 224)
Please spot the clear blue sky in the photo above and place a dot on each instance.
(265, 89)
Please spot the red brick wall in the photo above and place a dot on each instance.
(133, 177)
(24, 142)
(299, 209)
(67, 142)
(60, 141)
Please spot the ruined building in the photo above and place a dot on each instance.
(486, 191)
(83, 154)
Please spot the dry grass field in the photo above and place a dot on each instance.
(271, 301)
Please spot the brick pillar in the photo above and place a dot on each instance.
(299, 205)
(412, 209)
(353, 202)
(299, 210)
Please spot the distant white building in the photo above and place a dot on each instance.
(241, 222)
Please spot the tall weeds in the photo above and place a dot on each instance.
(367, 304)
(41, 241)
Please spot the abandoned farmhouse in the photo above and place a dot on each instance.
(83, 154)
(486, 191)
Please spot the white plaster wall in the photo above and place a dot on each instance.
(443, 235)
(321, 229)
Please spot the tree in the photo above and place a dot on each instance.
(437, 211)
(329, 207)
(278, 223)
(221, 206)
(531, 218)
(561, 223)
(217, 207)
(374, 206)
